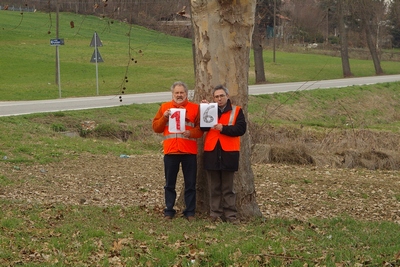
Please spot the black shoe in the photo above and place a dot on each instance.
(214, 219)
(190, 218)
(233, 221)
(168, 218)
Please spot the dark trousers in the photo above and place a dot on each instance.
(222, 195)
(172, 163)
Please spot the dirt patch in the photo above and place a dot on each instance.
(285, 191)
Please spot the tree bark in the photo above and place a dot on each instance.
(258, 55)
(366, 9)
(222, 32)
(344, 45)
(373, 50)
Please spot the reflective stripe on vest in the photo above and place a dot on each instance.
(232, 117)
(177, 135)
(228, 143)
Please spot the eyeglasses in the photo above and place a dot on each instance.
(219, 96)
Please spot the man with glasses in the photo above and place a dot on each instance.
(221, 156)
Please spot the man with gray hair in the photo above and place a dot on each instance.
(179, 148)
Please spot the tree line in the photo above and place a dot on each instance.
(141, 12)
(294, 22)
(333, 24)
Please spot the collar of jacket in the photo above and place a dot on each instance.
(180, 105)
(227, 108)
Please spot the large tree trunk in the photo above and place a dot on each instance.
(344, 45)
(222, 31)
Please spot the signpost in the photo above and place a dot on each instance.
(57, 42)
(96, 57)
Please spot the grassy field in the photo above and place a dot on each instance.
(33, 233)
(43, 138)
(149, 60)
(135, 58)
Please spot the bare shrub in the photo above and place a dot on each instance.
(372, 160)
(294, 153)
(343, 148)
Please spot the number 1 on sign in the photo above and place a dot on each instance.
(176, 123)
(177, 116)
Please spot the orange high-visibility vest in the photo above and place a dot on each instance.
(228, 143)
(176, 143)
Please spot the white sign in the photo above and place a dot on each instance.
(176, 123)
(208, 114)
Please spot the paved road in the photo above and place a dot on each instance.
(10, 108)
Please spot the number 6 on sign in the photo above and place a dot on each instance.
(176, 122)
(208, 114)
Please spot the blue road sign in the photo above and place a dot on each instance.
(55, 42)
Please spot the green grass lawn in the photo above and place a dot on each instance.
(57, 235)
(135, 58)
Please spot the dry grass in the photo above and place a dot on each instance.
(335, 148)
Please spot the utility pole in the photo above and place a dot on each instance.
(57, 35)
(274, 30)
(58, 82)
